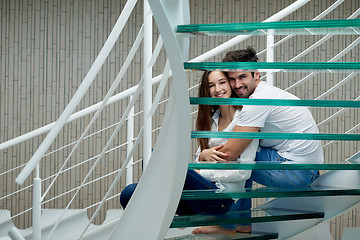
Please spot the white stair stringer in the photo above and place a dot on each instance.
(331, 206)
(71, 226)
(104, 230)
(152, 207)
(73, 221)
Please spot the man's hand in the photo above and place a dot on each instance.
(213, 155)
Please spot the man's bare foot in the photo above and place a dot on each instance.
(213, 230)
(243, 229)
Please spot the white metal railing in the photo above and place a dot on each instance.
(125, 14)
(103, 103)
(113, 184)
(34, 161)
(148, 111)
(337, 57)
(129, 177)
(147, 50)
(101, 155)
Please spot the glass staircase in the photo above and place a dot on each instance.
(343, 165)
(320, 193)
(241, 217)
(314, 27)
(267, 192)
(253, 235)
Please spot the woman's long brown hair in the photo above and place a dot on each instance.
(204, 121)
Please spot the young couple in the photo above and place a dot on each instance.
(285, 119)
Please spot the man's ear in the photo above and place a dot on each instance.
(257, 75)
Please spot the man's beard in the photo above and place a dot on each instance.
(245, 94)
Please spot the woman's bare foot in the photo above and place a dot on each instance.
(213, 230)
(243, 229)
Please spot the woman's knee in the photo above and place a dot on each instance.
(126, 194)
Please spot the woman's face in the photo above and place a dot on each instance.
(219, 85)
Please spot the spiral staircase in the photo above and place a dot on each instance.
(296, 214)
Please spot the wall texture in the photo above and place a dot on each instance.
(47, 48)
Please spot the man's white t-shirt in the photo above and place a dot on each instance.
(283, 119)
(234, 179)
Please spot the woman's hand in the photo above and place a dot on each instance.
(213, 155)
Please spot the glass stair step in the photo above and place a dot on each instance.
(245, 216)
(341, 165)
(274, 102)
(278, 135)
(266, 192)
(318, 27)
(242, 236)
(333, 67)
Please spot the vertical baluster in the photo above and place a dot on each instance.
(130, 137)
(37, 205)
(147, 82)
(270, 55)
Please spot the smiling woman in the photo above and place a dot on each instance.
(212, 118)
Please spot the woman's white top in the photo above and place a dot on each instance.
(229, 178)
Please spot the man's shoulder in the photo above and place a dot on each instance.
(267, 91)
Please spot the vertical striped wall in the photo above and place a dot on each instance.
(47, 47)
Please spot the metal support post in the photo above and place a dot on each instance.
(37, 206)
(270, 55)
(130, 137)
(147, 83)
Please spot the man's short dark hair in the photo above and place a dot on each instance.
(241, 55)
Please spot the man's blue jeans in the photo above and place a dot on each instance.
(289, 179)
(193, 181)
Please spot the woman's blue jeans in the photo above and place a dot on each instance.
(193, 181)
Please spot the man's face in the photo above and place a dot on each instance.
(243, 83)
